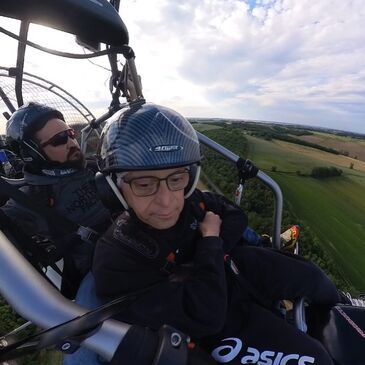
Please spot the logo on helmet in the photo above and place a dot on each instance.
(166, 148)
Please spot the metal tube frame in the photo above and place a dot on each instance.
(39, 302)
(7, 101)
(267, 180)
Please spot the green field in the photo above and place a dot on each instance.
(334, 209)
(205, 126)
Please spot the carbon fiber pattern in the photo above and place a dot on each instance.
(148, 137)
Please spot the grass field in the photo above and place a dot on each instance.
(354, 147)
(334, 209)
(205, 126)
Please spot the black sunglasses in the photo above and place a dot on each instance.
(60, 138)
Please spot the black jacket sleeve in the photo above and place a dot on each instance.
(195, 304)
(234, 220)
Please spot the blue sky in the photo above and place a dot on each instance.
(293, 61)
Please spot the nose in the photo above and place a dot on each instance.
(163, 195)
(72, 142)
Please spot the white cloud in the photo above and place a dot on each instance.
(284, 59)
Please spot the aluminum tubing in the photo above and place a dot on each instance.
(38, 301)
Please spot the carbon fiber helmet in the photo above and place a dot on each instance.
(22, 126)
(145, 136)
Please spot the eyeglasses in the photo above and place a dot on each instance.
(149, 185)
(60, 138)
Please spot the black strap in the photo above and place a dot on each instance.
(244, 284)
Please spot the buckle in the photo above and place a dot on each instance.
(87, 234)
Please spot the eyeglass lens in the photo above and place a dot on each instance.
(149, 185)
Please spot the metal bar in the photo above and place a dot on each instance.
(135, 78)
(39, 302)
(24, 26)
(85, 134)
(267, 180)
(278, 209)
(7, 101)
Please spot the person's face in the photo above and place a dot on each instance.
(58, 152)
(160, 210)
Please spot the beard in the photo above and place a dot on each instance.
(75, 159)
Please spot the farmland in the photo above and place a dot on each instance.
(332, 209)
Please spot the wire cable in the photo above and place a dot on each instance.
(112, 50)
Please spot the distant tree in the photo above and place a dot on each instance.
(325, 172)
(273, 168)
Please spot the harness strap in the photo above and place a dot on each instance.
(199, 211)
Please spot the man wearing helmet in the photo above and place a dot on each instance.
(55, 176)
(173, 240)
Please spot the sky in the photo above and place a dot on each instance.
(291, 61)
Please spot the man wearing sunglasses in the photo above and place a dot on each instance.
(55, 175)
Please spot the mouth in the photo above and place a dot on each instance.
(74, 153)
(165, 216)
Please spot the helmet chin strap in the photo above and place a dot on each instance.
(35, 150)
(116, 191)
(195, 182)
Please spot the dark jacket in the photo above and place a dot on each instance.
(191, 292)
(73, 196)
(198, 294)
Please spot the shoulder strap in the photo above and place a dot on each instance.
(143, 247)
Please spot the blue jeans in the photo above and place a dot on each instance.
(86, 297)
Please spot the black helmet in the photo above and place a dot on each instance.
(145, 136)
(22, 126)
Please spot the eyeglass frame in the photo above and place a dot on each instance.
(187, 171)
(70, 132)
